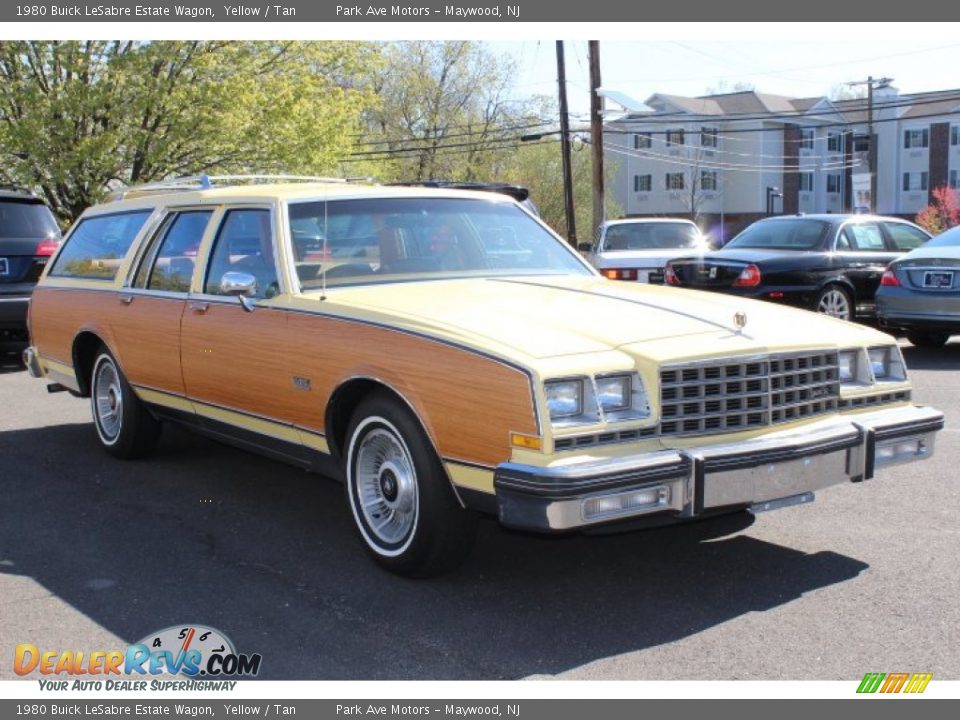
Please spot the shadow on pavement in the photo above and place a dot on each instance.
(203, 533)
(945, 358)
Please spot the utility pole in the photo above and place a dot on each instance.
(596, 133)
(872, 150)
(565, 148)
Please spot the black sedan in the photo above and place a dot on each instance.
(828, 263)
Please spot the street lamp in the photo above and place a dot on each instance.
(772, 192)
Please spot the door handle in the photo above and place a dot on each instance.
(199, 307)
(125, 298)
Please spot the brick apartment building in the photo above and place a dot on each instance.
(736, 157)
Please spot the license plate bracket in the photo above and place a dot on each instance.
(938, 280)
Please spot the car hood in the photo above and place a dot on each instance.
(639, 258)
(549, 316)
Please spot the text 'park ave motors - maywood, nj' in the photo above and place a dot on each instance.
(186, 12)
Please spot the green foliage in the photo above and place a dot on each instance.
(77, 118)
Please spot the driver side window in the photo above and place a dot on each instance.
(244, 244)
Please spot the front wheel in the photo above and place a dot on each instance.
(125, 427)
(402, 503)
(836, 302)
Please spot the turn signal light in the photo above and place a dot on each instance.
(749, 277)
(889, 278)
(46, 248)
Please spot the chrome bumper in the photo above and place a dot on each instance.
(777, 469)
(32, 362)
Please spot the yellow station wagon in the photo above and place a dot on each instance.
(445, 354)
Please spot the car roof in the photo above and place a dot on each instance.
(10, 193)
(637, 221)
(147, 197)
(834, 217)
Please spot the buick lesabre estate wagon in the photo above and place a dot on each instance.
(445, 354)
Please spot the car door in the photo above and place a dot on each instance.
(863, 255)
(146, 326)
(235, 367)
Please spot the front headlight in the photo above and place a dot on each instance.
(848, 365)
(887, 364)
(614, 392)
(564, 398)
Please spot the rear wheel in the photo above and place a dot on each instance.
(125, 427)
(836, 302)
(928, 339)
(402, 503)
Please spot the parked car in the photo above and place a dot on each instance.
(441, 375)
(919, 294)
(828, 263)
(28, 237)
(638, 249)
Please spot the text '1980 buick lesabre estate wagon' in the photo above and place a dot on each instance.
(445, 354)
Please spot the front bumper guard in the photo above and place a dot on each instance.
(763, 473)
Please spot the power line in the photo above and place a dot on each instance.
(787, 169)
(516, 144)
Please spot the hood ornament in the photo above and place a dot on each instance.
(740, 321)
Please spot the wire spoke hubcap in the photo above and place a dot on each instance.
(108, 399)
(834, 303)
(386, 484)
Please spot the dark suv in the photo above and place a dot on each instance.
(28, 237)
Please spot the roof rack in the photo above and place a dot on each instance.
(206, 182)
(517, 192)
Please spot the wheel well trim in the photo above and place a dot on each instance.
(329, 424)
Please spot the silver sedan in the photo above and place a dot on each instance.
(920, 293)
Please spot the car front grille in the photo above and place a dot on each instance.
(730, 395)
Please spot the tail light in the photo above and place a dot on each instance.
(749, 277)
(670, 275)
(46, 248)
(889, 278)
(620, 273)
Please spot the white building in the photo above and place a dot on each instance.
(733, 158)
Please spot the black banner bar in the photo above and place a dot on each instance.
(538, 11)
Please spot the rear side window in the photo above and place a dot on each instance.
(863, 237)
(26, 219)
(170, 261)
(906, 237)
(97, 246)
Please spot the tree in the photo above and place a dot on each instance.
(723, 87)
(943, 213)
(80, 118)
(443, 111)
(538, 166)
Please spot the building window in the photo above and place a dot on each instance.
(806, 182)
(954, 179)
(708, 137)
(916, 138)
(641, 141)
(833, 142)
(674, 137)
(642, 183)
(833, 183)
(861, 143)
(806, 139)
(708, 179)
(955, 135)
(914, 181)
(674, 181)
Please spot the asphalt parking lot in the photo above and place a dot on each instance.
(96, 553)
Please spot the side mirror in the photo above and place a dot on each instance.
(239, 285)
(584, 247)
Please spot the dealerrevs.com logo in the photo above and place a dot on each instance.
(891, 683)
(191, 651)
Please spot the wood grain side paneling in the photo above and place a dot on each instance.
(147, 339)
(469, 403)
(236, 359)
(57, 315)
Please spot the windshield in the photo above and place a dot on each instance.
(651, 236)
(26, 219)
(403, 239)
(794, 234)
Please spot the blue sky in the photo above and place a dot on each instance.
(690, 66)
